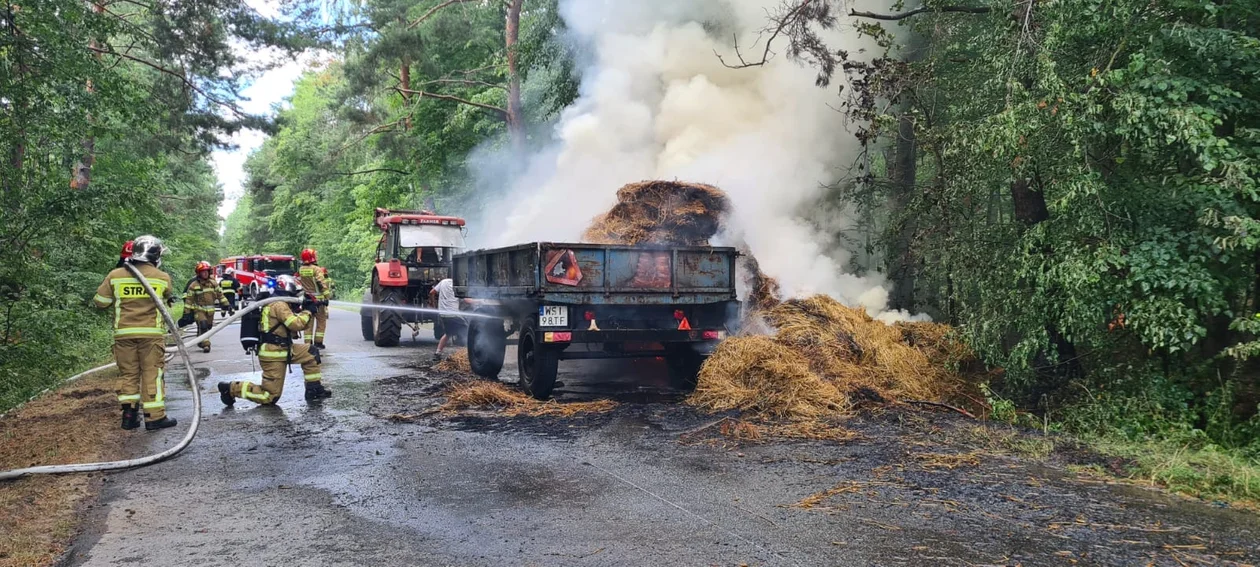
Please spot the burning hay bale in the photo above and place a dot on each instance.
(661, 212)
(825, 359)
(456, 362)
(512, 403)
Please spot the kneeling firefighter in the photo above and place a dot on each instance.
(271, 332)
(204, 297)
(139, 334)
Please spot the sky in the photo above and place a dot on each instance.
(263, 95)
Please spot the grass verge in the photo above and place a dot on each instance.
(42, 514)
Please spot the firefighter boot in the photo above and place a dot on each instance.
(130, 416)
(160, 424)
(225, 394)
(315, 391)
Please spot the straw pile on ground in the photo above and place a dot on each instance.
(825, 359)
(661, 212)
(496, 397)
(456, 362)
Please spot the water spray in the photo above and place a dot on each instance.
(438, 312)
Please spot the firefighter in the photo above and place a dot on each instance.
(139, 343)
(278, 327)
(204, 297)
(125, 255)
(332, 286)
(311, 276)
(231, 289)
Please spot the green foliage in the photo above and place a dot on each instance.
(137, 95)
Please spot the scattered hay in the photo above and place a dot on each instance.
(814, 430)
(661, 212)
(948, 461)
(825, 359)
(512, 403)
(77, 424)
(456, 362)
(939, 342)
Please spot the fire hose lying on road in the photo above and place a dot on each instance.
(182, 349)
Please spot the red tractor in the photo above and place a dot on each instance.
(413, 255)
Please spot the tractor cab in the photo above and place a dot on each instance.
(415, 252)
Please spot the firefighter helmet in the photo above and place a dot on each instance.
(229, 272)
(203, 266)
(288, 285)
(308, 256)
(127, 249)
(147, 249)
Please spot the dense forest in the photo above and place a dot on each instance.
(1072, 184)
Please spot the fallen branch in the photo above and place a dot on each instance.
(940, 405)
(917, 11)
(501, 111)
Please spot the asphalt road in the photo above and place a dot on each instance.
(340, 484)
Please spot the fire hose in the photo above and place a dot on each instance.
(182, 349)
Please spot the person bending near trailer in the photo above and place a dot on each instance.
(278, 327)
(139, 334)
(443, 297)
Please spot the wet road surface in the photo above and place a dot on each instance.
(341, 484)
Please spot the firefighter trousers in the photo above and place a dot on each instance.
(272, 359)
(141, 374)
(205, 320)
(319, 322)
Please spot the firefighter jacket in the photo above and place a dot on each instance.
(229, 286)
(204, 295)
(279, 324)
(332, 287)
(135, 315)
(312, 278)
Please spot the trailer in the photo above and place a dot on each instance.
(568, 301)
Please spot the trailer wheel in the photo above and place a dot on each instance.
(537, 364)
(487, 346)
(365, 318)
(684, 367)
(388, 322)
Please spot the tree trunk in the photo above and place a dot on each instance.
(516, 124)
(901, 261)
(82, 174)
(404, 80)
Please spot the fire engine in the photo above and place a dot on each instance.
(252, 271)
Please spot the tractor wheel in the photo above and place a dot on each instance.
(487, 346)
(538, 365)
(365, 318)
(389, 322)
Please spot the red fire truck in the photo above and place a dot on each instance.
(251, 271)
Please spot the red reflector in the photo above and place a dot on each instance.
(554, 337)
(590, 315)
(712, 335)
(684, 325)
(678, 315)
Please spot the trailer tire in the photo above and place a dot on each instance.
(365, 318)
(486, 347)
(684, 367)
(389, 323)
(536, 364)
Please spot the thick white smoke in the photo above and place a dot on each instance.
(656, 103)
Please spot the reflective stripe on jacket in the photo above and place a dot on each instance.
(135, 315)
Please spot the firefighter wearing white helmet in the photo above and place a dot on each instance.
(231, 289)
(279, 328)
(139, 346)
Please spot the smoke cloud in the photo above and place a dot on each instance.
(656, 103)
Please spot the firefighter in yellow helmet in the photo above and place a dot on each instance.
(139, 344)
(204, 297)
(311, 276)
(278, 328)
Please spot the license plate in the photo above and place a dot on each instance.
(553, 316)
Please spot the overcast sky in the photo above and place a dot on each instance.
(264, 93)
